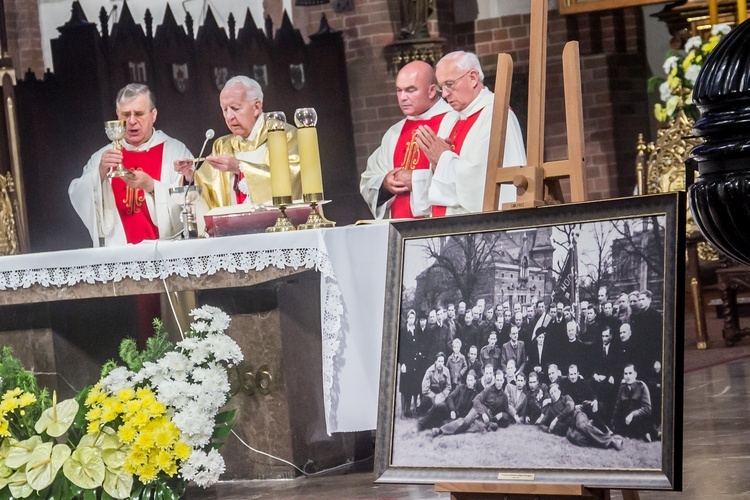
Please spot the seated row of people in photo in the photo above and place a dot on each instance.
(565, 406)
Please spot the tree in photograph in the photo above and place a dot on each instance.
(464, 258)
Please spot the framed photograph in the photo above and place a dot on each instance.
(538, 346)
(581, 6)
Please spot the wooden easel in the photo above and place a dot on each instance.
(531, 179)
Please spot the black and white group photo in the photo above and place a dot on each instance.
(539, 347)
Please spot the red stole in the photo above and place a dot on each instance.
(456, 140)
(408, 156)
(131, 203)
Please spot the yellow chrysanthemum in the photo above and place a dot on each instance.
(147, 473)
(145, 439)
(124, 395)
(109, 414)
(171, 470)
(13, 393)
(164, 459)
(132, 407)
(4, 432)
(92, 427)
(126, 433)
(140, 419)
(182, 451)
(137, 458)
(8, 405)
(96, 395)
(94, 414)
(26, 399)
(163, 438)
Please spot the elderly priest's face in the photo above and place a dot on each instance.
(139, 118)
(458, 87)
(240, 109)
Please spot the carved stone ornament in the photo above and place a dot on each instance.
(402, 52)
(180, 77)
(297, 74)
(137, 71)
(260, 74)
(221, 75)
(8, 238)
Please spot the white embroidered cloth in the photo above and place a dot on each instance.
(352, 263)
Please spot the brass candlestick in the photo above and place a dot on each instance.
(283, 223)
(315, 220)
(115, 130)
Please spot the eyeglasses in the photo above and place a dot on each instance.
(450, 83)
(125, 115)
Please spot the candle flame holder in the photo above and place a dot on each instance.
(283, 224)
(315, 220)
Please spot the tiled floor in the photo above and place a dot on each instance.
(716, 447)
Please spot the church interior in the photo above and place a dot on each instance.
(61, 67)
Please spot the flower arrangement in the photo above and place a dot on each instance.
(142, 431)
(682, 68)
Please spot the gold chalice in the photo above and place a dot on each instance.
(115, 130)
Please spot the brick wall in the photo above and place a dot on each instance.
(613, 68)
(24, 36)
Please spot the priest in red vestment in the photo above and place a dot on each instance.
(131, 209)
(459, 162)
(387, 183)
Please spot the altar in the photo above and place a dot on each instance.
(348, 264)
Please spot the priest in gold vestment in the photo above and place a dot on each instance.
(237, 170)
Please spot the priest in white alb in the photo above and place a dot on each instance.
(387, 185)
(138, 207)
(459, 162)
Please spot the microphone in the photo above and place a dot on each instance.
(201, 158)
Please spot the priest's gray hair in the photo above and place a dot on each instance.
(465, 61)
(133, 90)
(254, 91)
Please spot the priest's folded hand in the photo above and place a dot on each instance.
(430, 144)
(394, 184)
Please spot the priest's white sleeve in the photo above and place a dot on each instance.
(379, 164)
(458, 181)
(93, 201)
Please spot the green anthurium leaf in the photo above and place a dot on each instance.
(45, 463)
(85, 468)
(221, 431)
(89, 495)
(18, 486)
(56, 421)
(225, 416)
(118, 483)
(20, 452)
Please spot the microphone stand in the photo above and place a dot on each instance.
(185, 212)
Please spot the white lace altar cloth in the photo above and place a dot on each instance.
(352, 263)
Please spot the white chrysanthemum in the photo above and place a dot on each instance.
(174, 393)
(118, 379)
(203, 468)
(220, 322)
(721, 28)
(225, 349)
(664, 91)
(670, 64)
(693, 43)
(692, 73)
(175, 364)
(196, 348)
(195, 427)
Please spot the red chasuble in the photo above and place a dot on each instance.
(408, 156)
(456, 140)
(131, 203)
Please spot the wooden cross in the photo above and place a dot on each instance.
(531, 179)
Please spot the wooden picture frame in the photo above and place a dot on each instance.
(517, 255)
